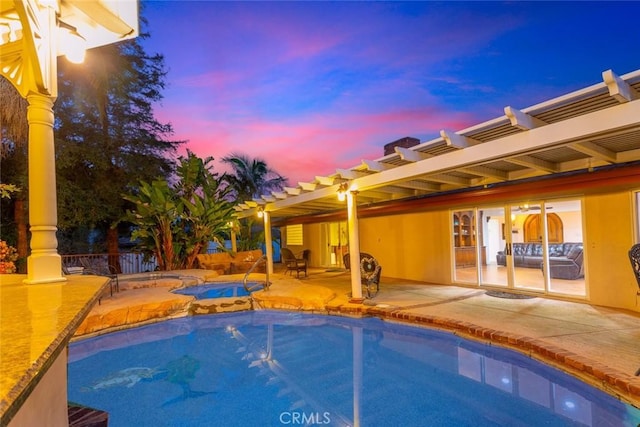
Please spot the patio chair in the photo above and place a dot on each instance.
(98, 267)
(370, 271)
(292, 263)
(634, 257)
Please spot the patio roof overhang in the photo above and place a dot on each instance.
(586, 129)
(33, 33)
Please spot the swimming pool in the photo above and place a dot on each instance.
(277, 368)
(216, 290)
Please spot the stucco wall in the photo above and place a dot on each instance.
(609, 236)
(47, 403)
(413, 246)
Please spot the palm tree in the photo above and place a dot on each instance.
(14, 137)
(13, 118)
(251, 178)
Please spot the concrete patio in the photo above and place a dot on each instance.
(598, 345)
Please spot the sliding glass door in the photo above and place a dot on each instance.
(496, 266)
(527, 243)
(534, 246)
(334, 237)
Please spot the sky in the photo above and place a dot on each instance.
(311, 87)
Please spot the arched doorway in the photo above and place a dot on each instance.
(533, 228)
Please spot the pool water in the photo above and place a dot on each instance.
(216, 290)
(264, 368)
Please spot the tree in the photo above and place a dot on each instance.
(107, 138)
(251, 177)
(177, 223)
(14, 136)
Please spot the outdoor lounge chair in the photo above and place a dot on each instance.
(292, 263)
(370, 271)
(634, 257)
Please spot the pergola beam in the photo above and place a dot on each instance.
(522, 120)
(618, 88)
(411, 155)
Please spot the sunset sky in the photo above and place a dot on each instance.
(314, 86)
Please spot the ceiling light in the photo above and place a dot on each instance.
(72, 44)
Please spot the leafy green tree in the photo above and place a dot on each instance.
(107, 138)
(250, 235)
(177, 223)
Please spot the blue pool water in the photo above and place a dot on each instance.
(216, 290)
(263, 368)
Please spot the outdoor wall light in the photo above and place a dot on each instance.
(342, 191)
(260, 212)
(72, 44)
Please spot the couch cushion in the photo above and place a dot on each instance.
(535, 249)
(556, 249)
(575, 252)
(519, 248)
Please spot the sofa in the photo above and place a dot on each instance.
(229, 262)
(565, 259)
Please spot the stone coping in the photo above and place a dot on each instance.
(623, 386)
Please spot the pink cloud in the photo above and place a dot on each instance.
(320, 144)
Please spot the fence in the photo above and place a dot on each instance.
(125, 262)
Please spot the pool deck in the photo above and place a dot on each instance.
(599, 345)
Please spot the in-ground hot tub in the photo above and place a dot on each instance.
(218, 297)
(216, 290)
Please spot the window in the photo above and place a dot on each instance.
(294, 235)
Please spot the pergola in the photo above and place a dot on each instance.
(33, 33)
(590, 128)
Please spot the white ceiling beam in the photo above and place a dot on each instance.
(350, 174)
(411, 155)
(251, 203)
(308, 186)
(415, 184)
(486, 172)
(325, 180)
(449, 179)
(618, 88)
(456, 140)
(279, 195)
(534, 163)
(396, 190)
(522, 120)
(594, 150)
(293, 191)
(268, 198)
(375, 166)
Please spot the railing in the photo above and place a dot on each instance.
(255, 287)
(126, 262)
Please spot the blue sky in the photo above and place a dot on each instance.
(314, 86)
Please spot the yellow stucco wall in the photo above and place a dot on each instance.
(413, 246)
(609, 236)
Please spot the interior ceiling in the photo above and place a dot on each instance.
(593, 127)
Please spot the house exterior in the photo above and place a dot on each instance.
(542, 200)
